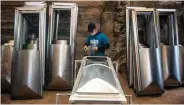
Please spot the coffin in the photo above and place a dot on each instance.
(97, 82)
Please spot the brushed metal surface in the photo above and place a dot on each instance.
(156, 70)
(26, 78)
(150, 72)
(171, 65)
(97, 83)
(131, 59)
(60, 67)
(145, 67)
(165, 62)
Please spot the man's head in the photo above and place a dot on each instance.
(92, 29)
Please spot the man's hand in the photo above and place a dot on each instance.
(95, 48)
(85, 47)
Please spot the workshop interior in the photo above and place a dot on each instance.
(43, 60)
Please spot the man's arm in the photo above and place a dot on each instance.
(86, 44)
(106, 44)
(103, 47)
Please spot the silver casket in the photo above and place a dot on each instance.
(97, 82)
(145, 72)
(61, 46)
(29, 51)
(171, 51)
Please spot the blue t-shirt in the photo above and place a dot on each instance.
(100, 39)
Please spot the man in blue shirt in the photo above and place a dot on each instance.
(97, 42)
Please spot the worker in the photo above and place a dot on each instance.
(97, 42)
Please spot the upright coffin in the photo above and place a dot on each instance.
(147, 70)
(130, 49)
(61, 45)
(172, 52)
(97, 82)
(29, 51)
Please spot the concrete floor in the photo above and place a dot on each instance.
(171, 96)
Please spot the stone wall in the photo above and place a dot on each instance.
(110, 17)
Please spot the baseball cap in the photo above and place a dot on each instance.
(91, 26)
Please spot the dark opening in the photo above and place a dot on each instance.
(30, 29)
(62, 25)
(167, 29)
(146, 32)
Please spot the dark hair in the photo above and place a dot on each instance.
(91, 26)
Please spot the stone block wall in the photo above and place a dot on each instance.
(110, 17)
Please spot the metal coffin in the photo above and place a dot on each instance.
(147, 65)
(61, 45)
(29, 51)
(97, 83)
(130, 46)
(171, 51)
